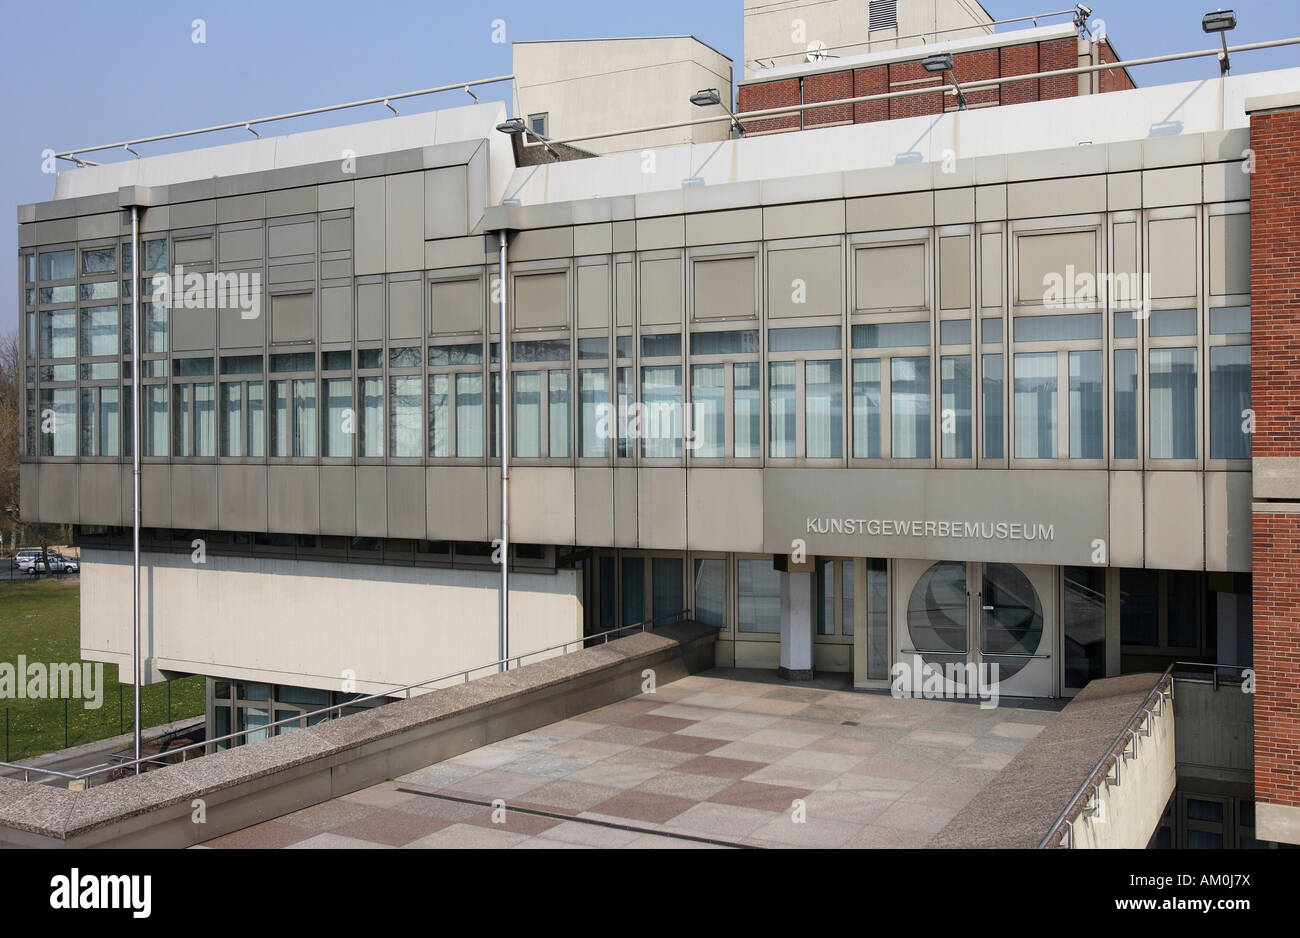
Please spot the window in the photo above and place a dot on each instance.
(293, 407)
(99, 261)
(1085, 625)
(1173, 403)
(781, 415)
(725, 417)
(823, 410)
(57, 265)
(909, 399)
(710, 591)
(595, 420)
(746, 440)
(955, 406)
(1085, 405)
(866, 408)
(339, 426)
(877, 619)
(1126, 403)
(456, 400)
(1229, 401)
(1035, 405)
(993, 403)
(58, 338)
(58, 421)
(540, 420)
(193, 410)
(101, 421)
(708, 410)
(539, 124)
(98, 331)
(758, 589)
(834, 597)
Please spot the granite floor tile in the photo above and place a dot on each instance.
(759, 795)
(640, 805)
(592, 835)
(811, 833)
(620, 775)
(685, 785)
(270, 835)
(695, 745)
(661, 724)
(328, 841)
(328, 814)
(911, 816)
(567, 796)
(467, 837)
(724, 821)
(394, 828)
(713, 765)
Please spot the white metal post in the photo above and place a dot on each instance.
(136, 338)
(503, 438)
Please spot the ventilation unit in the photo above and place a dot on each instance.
(882, 14)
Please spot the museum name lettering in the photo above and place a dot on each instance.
(965, 530)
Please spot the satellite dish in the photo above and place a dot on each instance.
(816, 51)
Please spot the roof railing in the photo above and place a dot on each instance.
(966, 87)
(249, 125)
(936, 33)
(156, 760)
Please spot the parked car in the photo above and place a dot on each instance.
(58, 564)
(24, 559)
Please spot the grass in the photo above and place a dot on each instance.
(41, 620)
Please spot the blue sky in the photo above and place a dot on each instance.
(83, 73)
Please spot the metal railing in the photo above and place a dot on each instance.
(1214, 670)
(264, 729)
(385, 100)
(936, 33)
(1118, 750)
(966, 87)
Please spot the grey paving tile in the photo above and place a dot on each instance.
(328, 841)
(724, 821)
(467, 837)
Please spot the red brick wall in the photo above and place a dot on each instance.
(970, 67)
(830, 87)
(1117, 79)
(1275, 362)
(770, 94)
(1019, 60)
(1059, 53)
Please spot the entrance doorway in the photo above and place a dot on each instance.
(953, 614)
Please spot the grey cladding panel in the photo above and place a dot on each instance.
(404, 222)
(445, 202)
(336, 314)
(593, 297)
(335, 235)
(292, 317)
(661, 291)
(244, 244)
(457, 305)
(292, 240)
(370, 311)
(725, 287)
(368, 218)
(405, 312)
(804, 282)
(541, 300)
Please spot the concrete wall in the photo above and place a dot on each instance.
(305, 623)
(773, 27)
(594, 86)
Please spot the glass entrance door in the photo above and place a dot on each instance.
(980, 626)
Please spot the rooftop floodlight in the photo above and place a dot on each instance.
(516, 126)
(1221, 22)
(708, 97)
(938, 64)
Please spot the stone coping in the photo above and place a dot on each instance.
(1018, 806)
(59, 814)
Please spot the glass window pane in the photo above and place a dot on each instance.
(58, 265)
(255, 443)
(846, 596)
(58, 333)
(406, 426)
(99, 331)
(469, 415)
(439, 416)
(955, 406)
(1085, 405)
(895, 334)
(596, 349)
(1173, 322)
(1229, 400)
(100, 290)
(993, 406)
(825, 597)
(372, 417)
(710, 590)
(1085, 625)
(58, 421)
(1230, 320)
(633, 594)
(668, 594)
(661, 346)
(155, 324)
(1126, 404)
(742, 342)
(597, 418)
(528, 414)
(781, 415)
(954, 332)
(909, 403)
(1058, 328)
(558, 416)
(99, 261)
(1035, 406)
(625, 408)
(232, 419)
(1139, 608)
(661, 424)
(823, 410)
(746, 442)
(155, 254)
(304, 417)
(877, 619)
(805, 339)
(758, 586)
(866, 408)
(182, 428)
(708, 411)
(339, 419)
(155, 421)
(1126, 325)
(1173, 403)
(991, 330)
(205, 420)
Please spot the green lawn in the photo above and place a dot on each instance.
(41, 620)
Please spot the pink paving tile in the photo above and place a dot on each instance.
(395, 828)
(713, 765)
(675, 742)
(758, 795)
(643, 806)
(267, 835)
(662, 724)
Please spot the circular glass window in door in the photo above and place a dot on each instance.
(936, 614)
(1011, 622)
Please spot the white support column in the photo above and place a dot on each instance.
(797, 625)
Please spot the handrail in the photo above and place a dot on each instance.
(647, 625)
(936, 33)
(248, 124)
(1115, 749)
(1214, 669)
